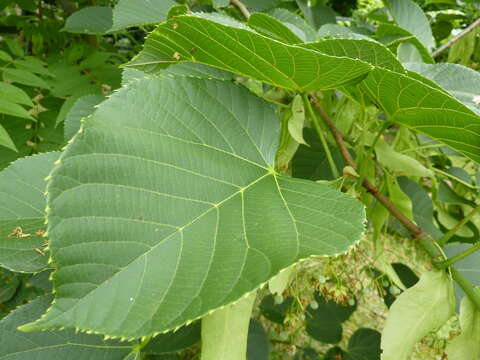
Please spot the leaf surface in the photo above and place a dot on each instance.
(22, 188)
(426, 109)
(90, 20)
(238, 49)
(52, 345)
(182, 199)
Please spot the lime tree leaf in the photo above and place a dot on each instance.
(392, 36)
(425, 109)
(90, 20)
(364, 344)
(174, 341)
(22, 213)
(295, 23)
(423, 308)
(271, 27)
(10, 108)
(407, 52)
(260, 5)
(368, 51)
(9, 92)
(460, 81)
(467, 344)
(410, 16)
(24, 77)
(182, 199)
(6, 140)
(83, 107)
(240, 50)
(139, 12)
(52, 345)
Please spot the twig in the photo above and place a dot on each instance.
(461, 256)
(457, 37)
(466, 286)
(415, 231)
(241, 7)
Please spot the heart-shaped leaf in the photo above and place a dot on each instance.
(166, 207)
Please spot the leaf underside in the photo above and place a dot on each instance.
(166, 207)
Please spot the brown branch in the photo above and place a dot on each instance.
(241, 7)
(457, 37)
(415, 231)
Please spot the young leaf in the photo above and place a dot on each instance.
(52, 345)
(422, 308)
(238, 49)
(90, 20)
(139, 12)
(426, 110)
(467, 345)
(181, 199)
(22, 216)
(410, 16)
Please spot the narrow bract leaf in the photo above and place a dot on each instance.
(297, 120)
(466, 346)
(425, 109)
(10, 108)
(139, 12)
(182, 199)
(24, 77)
(22, 215)
(9, 92)
(423, 308)
(52, 345)
(238, 49)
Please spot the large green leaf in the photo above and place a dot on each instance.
(410, 16)
(460, 81)
(52, 345)
(423, 308)
(426, 109)
(90, 20)
(181, 199)
(22, 212)
(238, 49)
(139, 12)
(271, 27)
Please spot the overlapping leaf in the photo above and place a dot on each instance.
(162, 211)
(239, 49)
(139, 12)
(22, 212)
(426, 109)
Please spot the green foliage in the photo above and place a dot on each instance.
(190, 156)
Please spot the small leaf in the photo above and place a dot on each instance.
(24, 77)
(419, 310)
(279, 283)
(273, 311)
(33, 65)
(466, 346)
(52, 345)
(10, 108)
(220, 3)
(398, 197)
(14, 47)
(22, 216)
(8, 92)
(94, 20)
(297, 120)
(364, 344)
(129, 13)
(6, 140)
